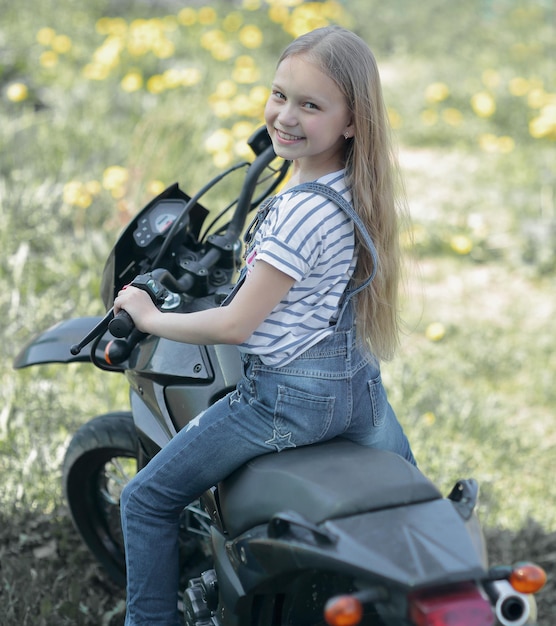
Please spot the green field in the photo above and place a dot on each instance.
(104, 103)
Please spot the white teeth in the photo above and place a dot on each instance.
(287, 137)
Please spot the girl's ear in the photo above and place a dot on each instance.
(349, 131)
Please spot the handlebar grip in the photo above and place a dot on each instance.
(121, 325)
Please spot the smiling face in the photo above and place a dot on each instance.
(307, 117)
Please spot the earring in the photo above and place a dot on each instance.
(346, 135)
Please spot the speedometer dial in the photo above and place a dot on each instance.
(157, 221)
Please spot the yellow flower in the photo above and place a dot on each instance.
(306, 17)
(492, 143)
(429, 418)
(429, 117)
(190, 76)
(544, 125)
(96, 71)
(114, 178)
(207, 15)
(172, 78)
(395, 118)
(108, 54)
(245, 70)
(506, 144)
(17, 92)
(461, 244)
(452, 116)
(536, 98)
(278, 13)
(156, 84)
(169, 23)
(232, 22)
(187, 16)
(155, 187)
(93, 187)
(144, 35)
(483, 104)
(220, 140)
(334, 11)
(223, 52)
(222, 159)
(132, 81)
(259, 94)
(436, 92)
(45, 36)
(414, 236)
(221, 108)
(48, 59)
(488, 142)
(61, 44)
(251, 5)
(212, 38)
(285, 3)
(519, 86)
(241, 149)
(242, 130)
(226, 89)
(111, 26)
(243, 105)
(137, 48)
(163, 48)
(491, 78)
(75, 193)
(251, 36)
(435, 331)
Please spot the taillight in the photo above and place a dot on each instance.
(343, 611)
(463, 605)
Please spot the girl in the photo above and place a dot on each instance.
(310, 371)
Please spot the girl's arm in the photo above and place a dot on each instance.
(262, 290)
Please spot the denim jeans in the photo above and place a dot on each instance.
(332, 390)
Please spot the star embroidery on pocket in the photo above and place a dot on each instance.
(280, 442)
(234, 396)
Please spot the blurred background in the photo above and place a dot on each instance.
(104, 103)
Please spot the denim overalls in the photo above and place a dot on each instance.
(332, 390)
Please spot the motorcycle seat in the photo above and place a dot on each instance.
(324, 481)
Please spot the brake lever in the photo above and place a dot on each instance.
(95, 332)
(121, 325)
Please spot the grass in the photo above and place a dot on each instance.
(109, 101)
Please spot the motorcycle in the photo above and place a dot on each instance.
(333, 533)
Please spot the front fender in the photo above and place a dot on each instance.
(53, 345)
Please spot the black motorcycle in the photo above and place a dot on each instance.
(334, 533)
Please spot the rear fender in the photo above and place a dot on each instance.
(53, 345)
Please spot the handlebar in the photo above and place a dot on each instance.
(158, 281)
(122, 323)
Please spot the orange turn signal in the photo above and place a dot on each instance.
(527, 578)
(343, 611)
(107, 356)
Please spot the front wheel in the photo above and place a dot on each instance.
(99, 462)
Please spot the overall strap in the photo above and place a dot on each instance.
(332, 194)
(342, 203)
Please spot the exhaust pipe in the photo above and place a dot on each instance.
(512, 608)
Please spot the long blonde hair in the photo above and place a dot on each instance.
(371, 170)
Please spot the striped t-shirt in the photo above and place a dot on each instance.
(311, 239)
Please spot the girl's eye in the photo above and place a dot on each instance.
(310, 105)
(279, 95)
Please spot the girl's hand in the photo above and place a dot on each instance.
(262, 290)
(137, 304)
